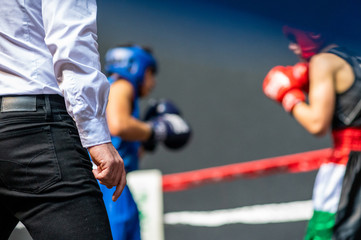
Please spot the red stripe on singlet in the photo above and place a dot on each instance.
(344, 141)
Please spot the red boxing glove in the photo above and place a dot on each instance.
(292, 98)
(300, 74)
(277, 82)
(281, 79)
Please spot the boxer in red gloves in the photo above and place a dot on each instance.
(332, 81)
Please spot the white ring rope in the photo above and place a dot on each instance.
(256, 214)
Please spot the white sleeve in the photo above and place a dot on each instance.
(70, 34)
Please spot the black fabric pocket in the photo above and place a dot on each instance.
(28, 162)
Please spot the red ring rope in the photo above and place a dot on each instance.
(299, 162)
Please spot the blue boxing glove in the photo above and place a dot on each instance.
(159, 107)
(155, 109)
(171, 129)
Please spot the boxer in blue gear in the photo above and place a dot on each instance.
(131, 73)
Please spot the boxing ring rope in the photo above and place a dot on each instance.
(256, 214)
(292, 163)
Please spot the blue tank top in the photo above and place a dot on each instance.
(128, 150)
(348, 104)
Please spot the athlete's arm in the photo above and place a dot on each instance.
(316, 116)
(120, 120)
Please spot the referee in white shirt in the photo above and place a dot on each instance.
(53, 99)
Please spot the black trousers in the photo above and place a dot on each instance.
(348, 217)
(46, 179)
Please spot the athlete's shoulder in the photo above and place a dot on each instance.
(326, 61)
(122, 88)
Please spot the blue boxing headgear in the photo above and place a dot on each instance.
(130, 63)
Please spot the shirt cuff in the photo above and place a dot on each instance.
(93, 132)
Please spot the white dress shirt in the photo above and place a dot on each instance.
(50, 47)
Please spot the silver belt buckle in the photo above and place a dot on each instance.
(18, 104)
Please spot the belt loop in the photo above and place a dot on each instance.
(47, 107)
